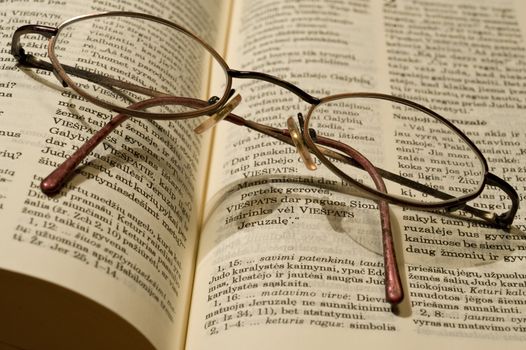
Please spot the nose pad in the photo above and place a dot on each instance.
(219, 115)
(297, 139)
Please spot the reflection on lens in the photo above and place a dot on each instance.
(144, 58)
(401, 140)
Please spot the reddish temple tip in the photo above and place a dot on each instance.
(394, 296)
(50, 186)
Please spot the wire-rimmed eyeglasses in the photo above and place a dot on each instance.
(144, 68)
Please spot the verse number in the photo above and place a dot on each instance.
(430, 313)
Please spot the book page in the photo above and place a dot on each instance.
(291, 258)
(123, 231)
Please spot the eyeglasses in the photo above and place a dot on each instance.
(143, 66)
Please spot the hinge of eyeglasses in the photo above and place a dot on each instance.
(20, 54)
(219, 115)
(297, 138)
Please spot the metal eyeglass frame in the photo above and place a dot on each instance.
(303, 138)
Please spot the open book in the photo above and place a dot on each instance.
(167, 239)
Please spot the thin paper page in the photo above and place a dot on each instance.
(123, 232)
(292, 259)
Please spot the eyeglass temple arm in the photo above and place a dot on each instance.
(54, 182)
(393, 286)
(31, 61)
